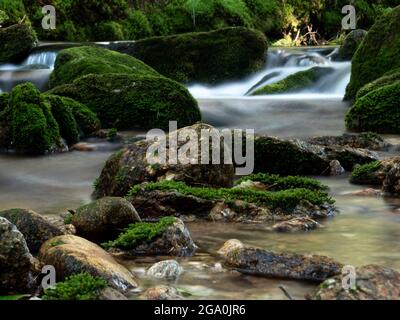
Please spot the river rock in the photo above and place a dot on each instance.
(111, 294)
(369, 192)
(259, 262)
(167, 269)
(17, 266)
(191, 57)
(35, 228)
(163, 293)
(83, 147)
(350, 44)
(391, 184)
(296, 225)
(104, 219)
(129, 166)
(372, 283)
(15, 42)
(71, 254)
(336, 168)
(175, 241)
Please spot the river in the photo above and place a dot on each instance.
(367, 230)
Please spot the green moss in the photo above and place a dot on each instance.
(68, 218)
(377, 111)
(208, 57)
(110, 31)
(366, 174)
(377, 54)
(15, 42)
(14, 9)
(4, 97)
(14, 297)
(387, 79)
(137, 26)
(82, 286)
(285, 199)
(141, 232)
(126, 101)
(56, 243)
(277, 183)
(295, 82)
(75, 62)
(111, 134)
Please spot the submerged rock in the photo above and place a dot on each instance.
(104, 219)
(192, 57)
(350, 45)
(296, 225)
(167, 269)
(130, 166)
(259, 262)
(71, 255)
(365, 193)
(336, 168)
(372, 283)
(17, 265)
(35, 228)
(15, 42)
(168, 236)
(163, 293)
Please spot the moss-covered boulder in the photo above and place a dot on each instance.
(377, 54)
(350, 44)
(377, 111)
(15, 42)
(130, 166)
(207, 57)
(127, 101)
(168, 236)
(72, 255)
(387, 79)
(103, 219)
(35, 228)
(76, 62)
(295, 82)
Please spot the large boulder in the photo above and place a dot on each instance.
(377, 54)
(71, 255)
(15, 42)
(124, 92)
(387, 79)
(372, 283)
(130, 166)
(377, 111)
(295, 82)
(168, 236)
(270, 264)
(16, 263)
(208, 57)
(103, 219)
(35, 228)
(350, 44)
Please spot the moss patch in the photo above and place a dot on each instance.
(389, 78)
(141, 232)
(15, 42)
(285, 199)
(294, 82)
(82, 286)
(366, 174)
(278, 183)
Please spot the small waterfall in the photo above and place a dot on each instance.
(280, 64)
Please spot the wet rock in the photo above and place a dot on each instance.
(372, 283)
(71, 254)
(104, 219)
(130, 166)
(391, 184)
(365, 193)
(350, 45)
(35, 228)
(83, 147)
(336, 168)
(230, 246)
(270, 264)
(111, 294)
(349, 157)
(163, 293)
(167, 269)
(365, 140)
(17, 266)
(296, 225)
(15, 42)
(174, 240)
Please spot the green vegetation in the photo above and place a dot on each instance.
(285, 199)
(366, 174)
(377, 54)
(15, 42)
(82, 286)
(294, 82)
(377, 111)
(141, 232)
(277, 183)
(386, 79)
(14, 297)
(207, 56)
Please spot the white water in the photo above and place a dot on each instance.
(280, 64)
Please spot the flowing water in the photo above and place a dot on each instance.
(367, 230)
